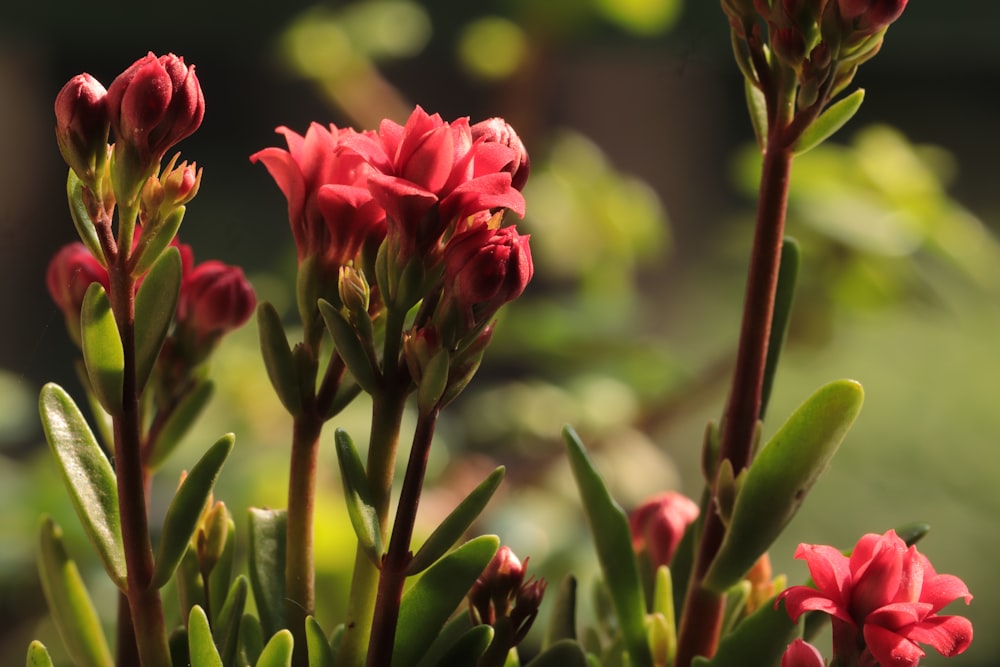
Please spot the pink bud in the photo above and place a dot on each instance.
(498, 131)
(70, 272)
(215, 298)
(502, 592)
(658, 525)
(82, 126)
(801, 654)
(871, 16)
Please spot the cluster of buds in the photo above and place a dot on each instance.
(504, 599)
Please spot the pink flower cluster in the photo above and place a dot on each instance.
(884, 600)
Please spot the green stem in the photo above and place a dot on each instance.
(144, 600)
(397, 559)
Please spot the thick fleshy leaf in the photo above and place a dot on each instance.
(69, 603)
(468, 648)
(278, 651)
(613, 541)
(759, 639)
(155, 305)
(251, 639)
(564, 653)
(81, 219)
(788, 273)
(102, 349)
(562, 620)
(180, 421)
(663, 604)
(201, 646)
(229, 620)
(185, 508)
(455, 524)
(38, 655)
(88, 476)
(267, 566)
(453, 630)
(427, 605)
(221, 577)
(349, 347)
(757, 106)
(831, 120)
(189, 583)
(363, 515)
(278, 358)
(781, 475)
(151, 246)
(320, 653)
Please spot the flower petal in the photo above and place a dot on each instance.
(949, 635)
(800, 599)
(890, 648)
(828, 568)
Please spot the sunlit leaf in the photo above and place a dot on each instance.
(155, 305)
(278, 651)
(38, 655)
(320, 653)
(85, 227)
(831, 120)
(102, 348)
(201, 646)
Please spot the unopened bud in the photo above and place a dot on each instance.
(82, 127)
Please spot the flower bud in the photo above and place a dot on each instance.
(70, 272)
(82, 126)
(502, 598)
(499, 131)
(801, 654)
(868, 17)
(215, 299)
(658, 525)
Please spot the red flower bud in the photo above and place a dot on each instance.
(82, 126)
(498, 132)
(801, 654)
(215, 298)
(658, 525)
(502, 592)
(871, 16)
(70, 272)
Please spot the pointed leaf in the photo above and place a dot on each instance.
(562, 621)
(831, 120)
(349, 347)
(364, 517)
(781, 475)
(757, 106)
(88, 476)
(221, 577)
(278, 651)
(431, 600)
(613, 540)
(320, 653)
(788, 272)
(69, 603)
(38, 655)
(267, 566)
(185, 508)
(180, 421)
(155, 305)
(456, 523)
(151, 245)
(102, 349)
(663, 605)
(85, 226)
(201, 646)
(564, 653)
(759, 639)
(278, 360)
(189, 583)
(229, 620)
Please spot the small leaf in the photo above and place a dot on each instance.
(155, 305)
(831, 120)
(201, 646)
(88, 476)
(663, 605)
(151, 245)
(102, 349)
(757, 106)
(455, 524)
(364, 517)
(278, 360)
(278, 651)
(427, 605)
(229, 619)
(85, 226)
(781, 475)
(267, 566)
(564, 653)
(185, 508)
(911, 533)
(468, 648)
(38, 655)
(180, 421)
(788, 272)
(349, 347)
(221, 576)
(69, 603)
(613, 540)
(759, 639)
(562, 621)
(320, 653)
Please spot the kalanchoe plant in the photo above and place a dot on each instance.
(405, 256)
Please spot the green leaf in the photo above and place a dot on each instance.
(189, 583)
(69, 603)
(201, 646)
(452, 631)
(781, 475)
(278, 651)
(831, 120)
(38, 655)
(613, 540)
(81, 219)
(180, 421)
(562, 621)
(229, 619)
(456, 523)
(468, 648)
(364, 517)
(788, 272)
(88, 476)
(151, 245)
(185, 508)
(155, 305)
(431, 600)
(278, 360)
(102, 349)
(757, 106)
(663, 605)
(251, 639)
(564, 653)
(267, 566)
(320, 653)
(349, 347)
(177, 642)
(221, 576)
(760, 639)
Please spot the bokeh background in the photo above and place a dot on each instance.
(639, 206)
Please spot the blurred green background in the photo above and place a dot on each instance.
(639, 206)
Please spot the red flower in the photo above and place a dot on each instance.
(82, 126)
(801, 654)
(884, 600)
(215, 298)
(330, 209)
(658, 525)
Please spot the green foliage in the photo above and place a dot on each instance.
(278, 651)
(350, 349)
(562, 620)
(563, 653)
(364, 516)
(102, 349)
(832, 119)
(229, 619)
(155, 305)
(278, 358)
(201, 646)
(38, 655)
(320, 651)
(267, 566)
